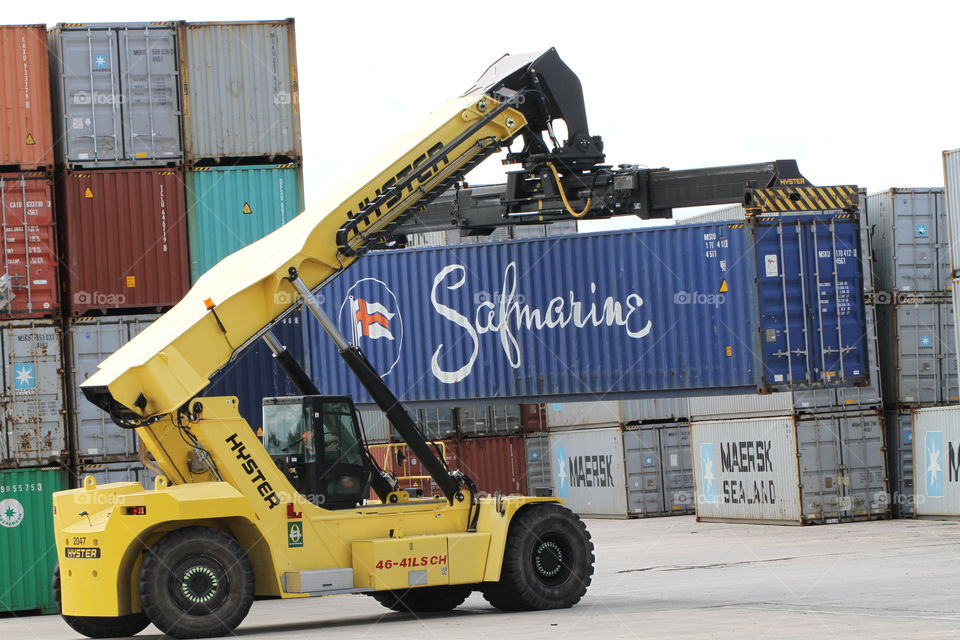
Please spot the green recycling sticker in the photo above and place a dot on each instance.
(295, 534)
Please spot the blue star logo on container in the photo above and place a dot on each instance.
(24, 377)
(933, 455)
(100, 61)
(926, 341)
(648, 461)
(923, 231)
(563, 487)
(708, 472)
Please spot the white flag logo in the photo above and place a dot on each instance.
(371, 319)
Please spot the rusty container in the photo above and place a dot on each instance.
(125, 236)
(28, 280)
(26, 119)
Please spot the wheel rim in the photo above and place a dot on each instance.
(199, 584)
(552, 558)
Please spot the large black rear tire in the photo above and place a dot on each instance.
(423, 599)
(196, 582)
(96, 626)
(547, 563)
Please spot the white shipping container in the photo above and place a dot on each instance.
(601, 413)
(588, 471)
(936, 455)
(747, 470)
(951, 179)
(819, 468)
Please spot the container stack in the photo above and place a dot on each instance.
(931, 436)
(33, 440)
(243, 169)
(822, 457)
(916, 318)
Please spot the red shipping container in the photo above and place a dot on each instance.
(26, 118)
(29, 245)
(533, 417)
(496, 464)
(125, 236)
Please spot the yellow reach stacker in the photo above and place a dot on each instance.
(232, 518)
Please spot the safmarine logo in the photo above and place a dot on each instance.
(933, 455)
(24, 377)
(708, 472)
(100, 62)
(370, 315)
(563, 484)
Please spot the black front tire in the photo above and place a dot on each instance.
(96, 626)
(547, 563)
(423, 599)
(196, 582)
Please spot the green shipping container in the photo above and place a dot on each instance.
(231, 207)
(27, 550)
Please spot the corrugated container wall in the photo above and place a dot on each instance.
(27, 550)
(477, 322)
(255, 375)
(588, 471)
(118, 94)
(240, 90)
(125, 235)
(516, 232)
(899, 426)
(34, 413)
(108, 472)
(26, 120)
(733, 212)
(910, 240)
(951, 176)
(821, 468)
(917, 353)
(376, 427)
(95, 436)
(231, 207)
(936, 452)
(30, 256)
(496, 464)
(659, 472)
(539, 469)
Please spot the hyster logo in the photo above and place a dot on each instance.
(933, 448)
(370, 313)
(250, 466)
(708, 474)
(591, 471)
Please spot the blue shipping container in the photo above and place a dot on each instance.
(254, 375)
(688, 310)
(231, 207)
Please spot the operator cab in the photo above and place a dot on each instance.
(318, 444)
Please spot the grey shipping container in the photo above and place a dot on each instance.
(539, 475)
(951, 181)
(105, 473)
(90, 340)
(899, 427)
(733, 212)
(240, 90)
(456, 236)
(817, 469)
(436, 423)
(376, 427)
(117, 92)
(606, 413)
(916, 353)
(489, 420)
(910, 240)
(34, 415)
(659, 470)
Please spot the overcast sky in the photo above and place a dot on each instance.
(857, 92)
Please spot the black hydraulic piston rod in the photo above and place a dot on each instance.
(290, 366)
(400, 419)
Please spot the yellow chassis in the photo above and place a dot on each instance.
(101, 545)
